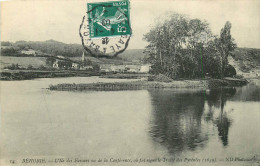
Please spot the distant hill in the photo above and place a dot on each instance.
(55, 48)
(50, 47)
(133, 55)
(245, 59)
(12, 53)
(23, 62)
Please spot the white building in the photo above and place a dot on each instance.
(145, 68)
(56, 64)
(86, 67)
(133, 68)
(29, 52)
(118, 68)
(75, 65)
(61, 57)
(105, 68)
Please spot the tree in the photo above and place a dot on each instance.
(96, 67)
(88, 62)
(175, 46)
(180, 47)
(8, 51)
(225, 46)
(13, 66)
(50, 61)
(6, 43)
(29, 67)
(42, 67)
(230, 71)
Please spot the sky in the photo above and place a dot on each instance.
(60, 20)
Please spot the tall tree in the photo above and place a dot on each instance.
(175, 45)
(226, 46)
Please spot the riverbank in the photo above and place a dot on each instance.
(139, 85)
(125, 75)
(31, 74)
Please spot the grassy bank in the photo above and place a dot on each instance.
(31, 74)
(138, 85)
(126, 75)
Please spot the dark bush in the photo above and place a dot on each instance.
(230, 71)
(30, 67)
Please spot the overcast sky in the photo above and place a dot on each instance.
(60, 20)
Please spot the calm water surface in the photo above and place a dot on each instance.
(173, 123)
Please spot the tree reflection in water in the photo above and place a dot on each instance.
(177, 117)
(217, 99)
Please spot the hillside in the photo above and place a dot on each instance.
(133, 55)
(50, 47)
(243, 59)
(73, 51)
(23, 62)
(246, 58)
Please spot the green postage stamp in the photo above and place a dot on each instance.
(105, 30)
(109, 19)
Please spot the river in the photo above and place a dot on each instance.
(165, 125)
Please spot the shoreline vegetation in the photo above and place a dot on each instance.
(144, 84)
(145, 81)
(126, 75)
(10, 75)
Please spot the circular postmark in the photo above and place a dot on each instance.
(105, 31)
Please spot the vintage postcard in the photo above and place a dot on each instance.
(130, 83)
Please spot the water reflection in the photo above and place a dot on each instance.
(250, 92)
(187, 123)
(178, 117)
(217, 98)
(223, 124)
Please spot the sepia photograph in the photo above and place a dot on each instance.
(130, 83)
